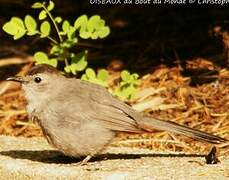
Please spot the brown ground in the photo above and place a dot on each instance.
(32, 158)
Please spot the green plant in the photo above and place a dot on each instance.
(127, 88)
(68, 35)
(101, 78)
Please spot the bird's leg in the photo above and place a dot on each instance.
(85, 160)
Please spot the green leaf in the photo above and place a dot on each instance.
(53, 62)
(125, 75)
(90, 73)
(10, 28)
(120, 94)
(66, 44)
(42, 15)
(92, 23)
(50, 6)
(40, 56)
(30, 23)
(71, 33)
(85, 34)
(66, 26)
(102, 75)
(101, 78)
(80, 21)
(45, 29)
(125, 93)
(135, 76)
(79, 62)
(31, 33)
(123, 84)
(84, 77)
(19, 34)
(128, 91)
(95, 26)
(56, 50)
(75, 40)
(128, 86)
(80, 66)
(104, 32)
(37, 5)
(18, 22)
(67, 69)
(94, 35)
(58, 19)
(15, 27)
(100, 24)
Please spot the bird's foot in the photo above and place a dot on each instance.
(84, 161)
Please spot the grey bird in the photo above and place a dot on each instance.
(81, 118)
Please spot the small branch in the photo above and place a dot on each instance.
(50, 38)
(53, 40)
(66, 62)
(57, 30)
(54, 23)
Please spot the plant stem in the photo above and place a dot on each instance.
(51, 39)
(65, 59)
(57, 30)
(66, 62)
(54, 23)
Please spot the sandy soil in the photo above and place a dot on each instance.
(33, 158)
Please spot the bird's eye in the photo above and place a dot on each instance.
(37, 79)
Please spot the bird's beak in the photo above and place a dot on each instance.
(17, 79)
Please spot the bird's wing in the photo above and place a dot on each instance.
(114, 118)
(95, 103)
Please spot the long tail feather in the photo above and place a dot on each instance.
(149, 124)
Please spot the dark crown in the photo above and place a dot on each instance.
(42, 68)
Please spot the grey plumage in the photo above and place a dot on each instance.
(80, 118)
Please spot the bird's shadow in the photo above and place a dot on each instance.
(53, 156)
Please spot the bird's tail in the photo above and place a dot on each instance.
(148, 124)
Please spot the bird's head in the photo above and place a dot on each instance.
(40, 82)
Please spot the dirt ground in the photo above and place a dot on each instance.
(23, 158)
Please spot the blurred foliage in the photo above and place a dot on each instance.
(84, 27)
(101, 78)
(128, 86)
(68, 37)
